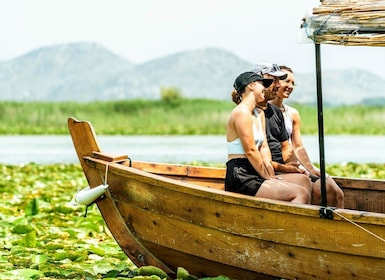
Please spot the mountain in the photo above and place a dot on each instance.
(207, 73)
(347, 86)
(64, 72)
(88, 72)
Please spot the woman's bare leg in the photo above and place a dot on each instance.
(297, 178)
(284, 190)
(334, 194)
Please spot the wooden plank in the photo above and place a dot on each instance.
(248, 252)
(109, 156)
(84, 140)
(207, 172)
(359, 183)
(203, 267)
(178, 169)
(209, 183)
(159, 168)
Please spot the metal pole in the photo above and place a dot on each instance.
(320, 124)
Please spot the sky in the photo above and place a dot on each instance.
(141, 30)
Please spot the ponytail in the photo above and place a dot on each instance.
(236, 97)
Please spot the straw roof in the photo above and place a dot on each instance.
(347, 22)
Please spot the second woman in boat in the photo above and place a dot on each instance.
(335, 195)
(248, 169)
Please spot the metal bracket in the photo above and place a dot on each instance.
(326, 213)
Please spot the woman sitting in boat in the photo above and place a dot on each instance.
(248, 169)
(335, 196)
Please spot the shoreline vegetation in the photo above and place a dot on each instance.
(177, 116)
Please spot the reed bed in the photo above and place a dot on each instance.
(156, 117)
(348, 22)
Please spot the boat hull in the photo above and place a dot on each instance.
(235, 231)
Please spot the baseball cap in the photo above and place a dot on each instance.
(269, 68)
(248, 77)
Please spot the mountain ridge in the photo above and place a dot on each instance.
(86, 71)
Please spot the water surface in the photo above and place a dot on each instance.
(179, 149)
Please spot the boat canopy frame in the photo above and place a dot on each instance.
(343, 23)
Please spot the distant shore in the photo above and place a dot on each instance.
(171, 117)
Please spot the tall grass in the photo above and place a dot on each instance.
(165, 117)
(355, 120)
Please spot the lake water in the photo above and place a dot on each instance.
(179, 149)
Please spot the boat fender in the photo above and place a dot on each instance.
(87, 195)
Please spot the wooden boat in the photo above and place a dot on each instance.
(171, 216)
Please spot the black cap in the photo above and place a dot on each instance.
(248, 77)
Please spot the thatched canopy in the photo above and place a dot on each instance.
(347, 22)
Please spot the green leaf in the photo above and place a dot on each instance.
(111, 274)
(22, 229)
(149, 270)
(32, 208)
(39, 259)
(30, 239)
(53, 246)
(183, 274)
(101, 267)
(64, 209)
(89, 225)
(97, 250)
(27, 273)
(220, 277)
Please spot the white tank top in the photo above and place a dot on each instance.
(235, 146)
(288, 119)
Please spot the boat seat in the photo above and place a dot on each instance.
(109, 156)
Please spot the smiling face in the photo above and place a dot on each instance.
(286, 85)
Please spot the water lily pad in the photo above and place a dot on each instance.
(22, 229)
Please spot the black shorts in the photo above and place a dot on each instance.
(313, 177)
(241, 177)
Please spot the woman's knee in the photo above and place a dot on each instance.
(304, 193)
(339, 194)
(305, 181)
(316, 191)
(335, 189)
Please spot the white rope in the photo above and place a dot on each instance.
(105, 176)
(357, 225)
